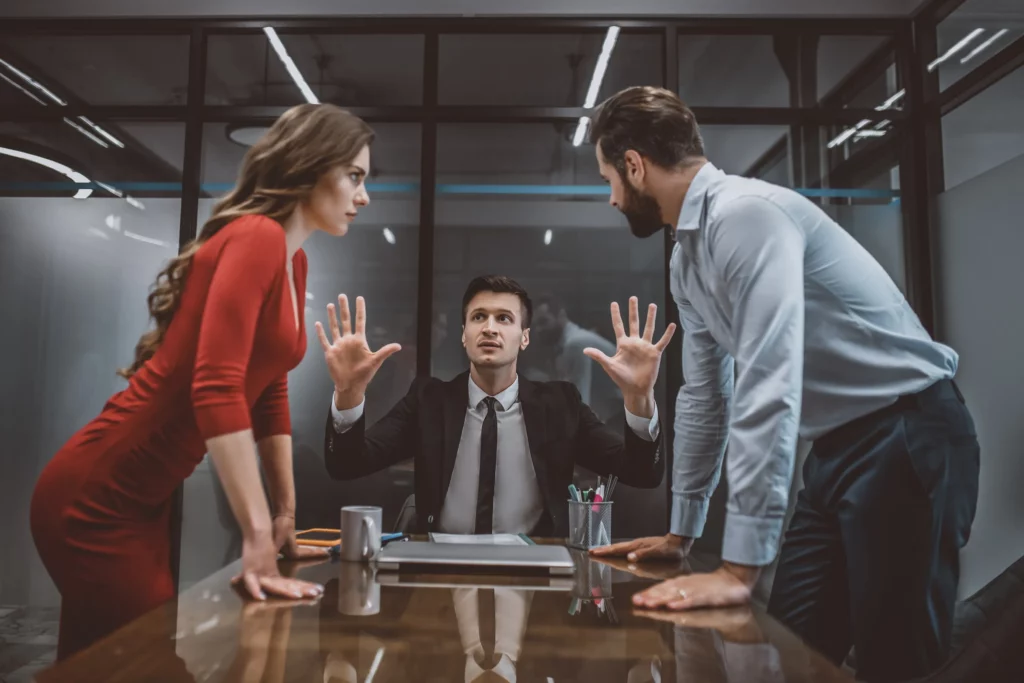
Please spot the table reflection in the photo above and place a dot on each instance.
(375, 627)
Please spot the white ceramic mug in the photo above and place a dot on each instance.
(358, 590)
(360, 533)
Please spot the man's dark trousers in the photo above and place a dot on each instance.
(871, 557)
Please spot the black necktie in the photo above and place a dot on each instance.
(488, 465)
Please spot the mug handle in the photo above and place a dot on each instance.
(371, 539)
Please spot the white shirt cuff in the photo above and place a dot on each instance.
(647, 430)
(344, 420)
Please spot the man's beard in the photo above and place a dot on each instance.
(642, 212)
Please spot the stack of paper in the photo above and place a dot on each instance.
(479, 539)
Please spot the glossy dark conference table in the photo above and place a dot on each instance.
(375, 627)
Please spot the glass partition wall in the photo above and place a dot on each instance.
(117, 137)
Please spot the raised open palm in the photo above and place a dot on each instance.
(349, 359)
(634, 367)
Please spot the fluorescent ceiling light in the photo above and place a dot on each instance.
(34, 83)
(581, 131)
(18, 86)
(73, 175)
(143, 238)
(595, 83)
(602, 66)
(246, 136)
(86, 133)
(389, 236)
(547, 236)
(991, 39)
(964, 42)
(132, 201)
(847, 134)
(286, 59)
(101, 131)
(870, 133)
(889, 103)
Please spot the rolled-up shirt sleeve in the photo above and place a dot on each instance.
(701, 421)
(759, 251)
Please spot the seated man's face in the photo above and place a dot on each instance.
(493, 331)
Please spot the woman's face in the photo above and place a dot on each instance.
(340, 194)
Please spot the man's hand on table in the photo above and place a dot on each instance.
(667, 547)
(736, 624)
(728, 586)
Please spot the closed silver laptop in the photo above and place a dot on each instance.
(553, 558)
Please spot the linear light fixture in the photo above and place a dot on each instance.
(18, 86)
(960, 45)
(389, 236)
(548, 234)
(143, 238)
(33, 82)
(86, 133)
(889, 103)
(595, 83)
(72, 174)
(991, 39)
(289, 64)
(101, 131)
(856, 130)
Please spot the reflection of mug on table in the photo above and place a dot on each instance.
(358, 590)
(360, 533)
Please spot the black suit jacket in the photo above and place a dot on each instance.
(426, 425)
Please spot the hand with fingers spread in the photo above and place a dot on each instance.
(634, 367)
(667, 547)
(350, 361)
(260, 575)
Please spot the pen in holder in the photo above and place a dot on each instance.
(590, 524)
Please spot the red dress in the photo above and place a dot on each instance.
(101, 508)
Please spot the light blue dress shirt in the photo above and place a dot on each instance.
(820, 335)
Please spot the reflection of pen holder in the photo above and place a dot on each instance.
(592, 580)
(590, 524)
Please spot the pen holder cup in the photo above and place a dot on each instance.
(590, 525)
(592, 580)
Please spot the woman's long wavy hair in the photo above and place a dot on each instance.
(278, 173)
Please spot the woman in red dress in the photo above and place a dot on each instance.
(210, 378)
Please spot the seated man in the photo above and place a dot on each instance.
(494, 452)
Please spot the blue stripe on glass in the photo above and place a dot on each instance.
(449, 189)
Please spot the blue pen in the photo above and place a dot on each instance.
(384, 540)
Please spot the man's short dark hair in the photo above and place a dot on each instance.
(653, 122)
(501, 285)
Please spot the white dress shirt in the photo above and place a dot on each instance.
(518, 504)
(820, 334)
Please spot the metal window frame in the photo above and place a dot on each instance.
(195, 113)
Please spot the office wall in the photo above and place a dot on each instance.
(73, 282)
(980, 241)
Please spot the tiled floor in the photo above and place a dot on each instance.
(28, 641)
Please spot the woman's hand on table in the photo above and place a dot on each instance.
(284, 540)
(260, 575)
